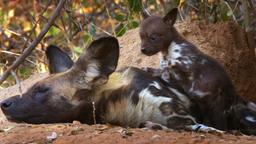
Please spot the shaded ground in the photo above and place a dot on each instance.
(224, 41)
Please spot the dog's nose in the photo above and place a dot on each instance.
(6, 104)
(143, 50)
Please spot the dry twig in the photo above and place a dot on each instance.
(17, 82)
(32, 46)
(94, 114)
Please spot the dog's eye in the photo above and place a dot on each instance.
(41, 93)
(153, 37)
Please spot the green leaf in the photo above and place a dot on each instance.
(120, 30)
(78, 50)
(85, 3)
(25, 71)
(53, 31)
(133, 24)
(1, 17)
(120, 17)
(87, 38)
(135, 5)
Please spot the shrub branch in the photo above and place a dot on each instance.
(35, 42)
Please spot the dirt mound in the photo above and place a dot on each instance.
(224, 41)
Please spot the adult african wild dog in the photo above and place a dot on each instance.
(202, 77)
(129, 97)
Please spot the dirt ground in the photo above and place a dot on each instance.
(77, 133)
(223, 41)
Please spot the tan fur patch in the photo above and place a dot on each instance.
(115, 81)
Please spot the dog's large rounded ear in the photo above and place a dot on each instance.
(58, 60)
(98, 61)
(145, 13)
(171, 16)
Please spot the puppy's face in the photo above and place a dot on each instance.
(156, 32)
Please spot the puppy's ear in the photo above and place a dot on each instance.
(95, 65)
(145, 13)
(171, 16)
(59, 61)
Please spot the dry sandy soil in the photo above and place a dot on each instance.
(224, 41)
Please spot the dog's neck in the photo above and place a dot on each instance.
(174, 37)
(175, 40)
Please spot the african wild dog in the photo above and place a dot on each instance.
(202, 77)
(129, 97)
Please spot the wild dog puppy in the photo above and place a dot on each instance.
(129, 97)
(202, 77)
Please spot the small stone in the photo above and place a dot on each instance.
(76, 122)
(202, 136)
(125, 133)
(155, 137)
(52, 136)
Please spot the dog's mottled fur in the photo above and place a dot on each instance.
(129, 97)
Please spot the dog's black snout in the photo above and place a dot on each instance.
(6, 104)
(143, 50)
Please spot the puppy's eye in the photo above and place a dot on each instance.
(153, 37)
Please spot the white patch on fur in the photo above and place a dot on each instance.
(250, 119)
(148, 107)
(92, 71)
(164, 64)
(192, 86)
(174, 53)
(83, 79)
(191, 77)
(203, 128)
(251, 106)
(201, 94)
(186, 60)
(156, 85)
(198, 93)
